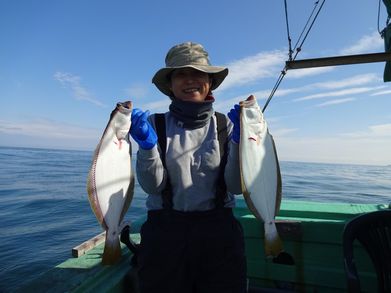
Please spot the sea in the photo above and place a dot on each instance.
(45, 212)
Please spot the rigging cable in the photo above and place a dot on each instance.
(298, 49)
(381, 32)
(287, 30)
(309, 29)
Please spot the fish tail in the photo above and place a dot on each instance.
(112, 250)
(273, 242)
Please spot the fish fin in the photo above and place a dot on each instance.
(279, 179)
(112, 250)
(91, 188)
(273, 243)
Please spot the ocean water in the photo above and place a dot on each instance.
(44, 210)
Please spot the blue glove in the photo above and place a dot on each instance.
(234, 115)
(141, 130)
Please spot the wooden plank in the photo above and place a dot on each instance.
(85, 274)
(81, 249)
(338, 60)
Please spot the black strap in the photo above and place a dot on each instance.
(222, 136)
(160, 124)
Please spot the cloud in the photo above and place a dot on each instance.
(335, 102)
(383, 130)
(47, 133)
(344, 92)
(386, 92)
(73, 82)
(373, 131)
(283, 131)
(46, 128)
(300, 73)
(252, 68)
(359, 79)
(367, 44)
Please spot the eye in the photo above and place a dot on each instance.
(179, 74)
(200, 74)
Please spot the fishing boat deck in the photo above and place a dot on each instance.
(311, 233)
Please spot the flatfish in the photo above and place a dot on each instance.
(110, 182)
(260, 172)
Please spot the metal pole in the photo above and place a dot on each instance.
(338, 60)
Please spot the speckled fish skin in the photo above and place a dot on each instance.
(260, 171)
(110, 182)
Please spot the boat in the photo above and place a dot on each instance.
(311, 233)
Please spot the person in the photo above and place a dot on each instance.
(190, 242)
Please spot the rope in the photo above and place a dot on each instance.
(296, 48)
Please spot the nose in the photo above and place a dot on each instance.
(189, 78)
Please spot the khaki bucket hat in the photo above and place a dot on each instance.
(184, 55)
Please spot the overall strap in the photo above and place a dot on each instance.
(160, 123)
(222, 136)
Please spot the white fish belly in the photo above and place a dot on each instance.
(259, 174)
(112, 179)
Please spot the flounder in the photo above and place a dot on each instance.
(110, 182)
(260, 171)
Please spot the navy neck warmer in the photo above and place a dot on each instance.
(192, 114)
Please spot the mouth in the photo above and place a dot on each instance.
(191, 90)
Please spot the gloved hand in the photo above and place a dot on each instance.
(234, 115)
(141, 130)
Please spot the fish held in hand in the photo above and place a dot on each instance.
(110, 182)
(260, 172)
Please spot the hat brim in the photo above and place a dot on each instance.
(162, 77)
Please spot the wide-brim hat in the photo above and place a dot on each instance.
(187, 55)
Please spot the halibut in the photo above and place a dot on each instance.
(110, 182)
(260, 172)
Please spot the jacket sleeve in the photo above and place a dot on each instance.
(151, 174)
(232, 169)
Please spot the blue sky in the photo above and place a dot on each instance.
(65, 64)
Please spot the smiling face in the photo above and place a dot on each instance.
(188, 84)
